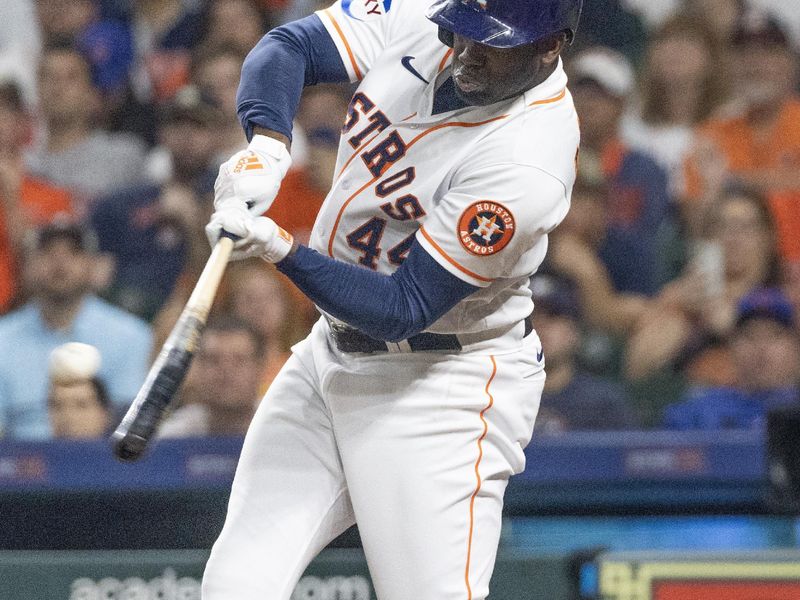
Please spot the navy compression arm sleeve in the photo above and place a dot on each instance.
(270, 87)
(386, 307)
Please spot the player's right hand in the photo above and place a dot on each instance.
(258, 236)
(251, 178)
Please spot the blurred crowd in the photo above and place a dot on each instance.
(669, 297)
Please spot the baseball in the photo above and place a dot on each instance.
(74, 361)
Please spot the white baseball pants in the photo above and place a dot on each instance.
(417, 448)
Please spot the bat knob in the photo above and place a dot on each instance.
(229, 235)
(129, 447)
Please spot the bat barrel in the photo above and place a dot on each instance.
(160, 387)
(168, 371)
(153, 400)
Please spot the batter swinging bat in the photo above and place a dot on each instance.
(169, 369)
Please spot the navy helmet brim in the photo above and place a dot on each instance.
(506, 23)
(471, 22)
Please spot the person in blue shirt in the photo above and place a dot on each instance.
(765, 350)
(59, 271)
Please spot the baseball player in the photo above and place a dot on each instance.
(408, 406)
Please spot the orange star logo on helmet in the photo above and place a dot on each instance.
(485, 228)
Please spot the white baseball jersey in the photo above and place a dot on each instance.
(479, 187)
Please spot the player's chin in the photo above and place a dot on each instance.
(474, 96)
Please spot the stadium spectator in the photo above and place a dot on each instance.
(682, 83)
(107, 43)
(765, 351)
(86, 160)
(25, 201)
(162, 35)
(321, 115)
(573, 399)
(258, 295)
(65, 21)
(224, 381)
(188, 135)
(215, 71)
(235, 24)
(760, 145)
(683, 329)
(719, 15)
(612, 24)
(155, 231)
(165, 33)
(20, 45)
(638, 201)
(577, 252)
(58, 271)
(77, 400)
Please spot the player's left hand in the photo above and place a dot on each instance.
(259, 236)
(252, 177)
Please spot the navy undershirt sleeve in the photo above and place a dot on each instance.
(271, 82)
(386, 307)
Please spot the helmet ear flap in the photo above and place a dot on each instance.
(446, 37)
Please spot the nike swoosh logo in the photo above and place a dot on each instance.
(406, 62)
(539, 355)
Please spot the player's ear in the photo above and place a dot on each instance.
(446, 37)
(550, 48)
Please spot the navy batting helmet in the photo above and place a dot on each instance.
(505, 23)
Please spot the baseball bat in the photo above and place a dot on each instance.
(169, 369)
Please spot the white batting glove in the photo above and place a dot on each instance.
(258, 236)
(252, 177)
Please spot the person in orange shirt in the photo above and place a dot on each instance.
(25, 202)
(759, 146)
(321, 115)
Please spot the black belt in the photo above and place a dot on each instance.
(348, 339)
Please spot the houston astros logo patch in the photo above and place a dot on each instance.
(485, 228)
